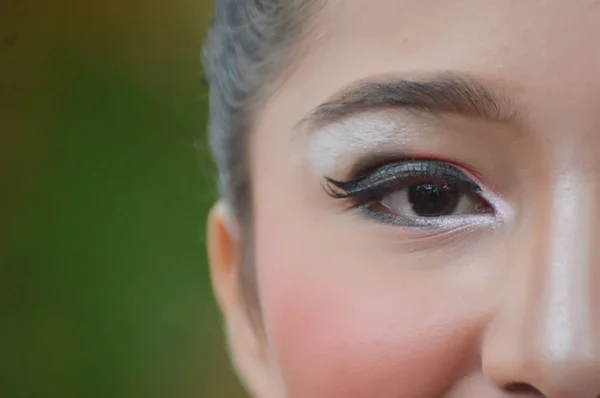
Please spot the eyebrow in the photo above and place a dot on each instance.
(445, 95)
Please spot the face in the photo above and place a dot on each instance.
(426, 212)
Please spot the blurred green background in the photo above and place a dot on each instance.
(105, 185)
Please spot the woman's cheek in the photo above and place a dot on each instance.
(338, 334)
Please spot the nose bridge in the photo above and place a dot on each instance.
(566, 320)
(548, 338)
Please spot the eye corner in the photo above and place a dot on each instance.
(334, 188)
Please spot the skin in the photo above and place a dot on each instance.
(352, 307)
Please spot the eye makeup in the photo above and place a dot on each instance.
(418, 193)
(374, 184)
(377, 164)
(333, 146)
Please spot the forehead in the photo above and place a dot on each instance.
(444, 29)
(542, 54)
(520, 42)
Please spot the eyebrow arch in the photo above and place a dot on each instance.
(447, 94)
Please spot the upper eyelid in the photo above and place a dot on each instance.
(449, 169)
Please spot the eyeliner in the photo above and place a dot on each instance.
(376, 184)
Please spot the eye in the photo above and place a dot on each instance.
(431, 199)
(414, 193)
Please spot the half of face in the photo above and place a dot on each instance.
(425, 186)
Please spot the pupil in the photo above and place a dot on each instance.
(432, 200)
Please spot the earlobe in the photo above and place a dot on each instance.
(223, 255)
(247, 351)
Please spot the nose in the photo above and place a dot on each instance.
(544, 339)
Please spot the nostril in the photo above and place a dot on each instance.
(523, 388)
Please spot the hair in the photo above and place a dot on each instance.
(247, 47)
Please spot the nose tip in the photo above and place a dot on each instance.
(532, 369)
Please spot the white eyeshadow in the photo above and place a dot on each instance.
(331, 147)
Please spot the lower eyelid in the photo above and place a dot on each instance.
(434, 223)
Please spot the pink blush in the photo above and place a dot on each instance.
(335, 340)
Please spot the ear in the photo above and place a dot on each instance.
(247, 350)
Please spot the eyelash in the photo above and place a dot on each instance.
(370, 187)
